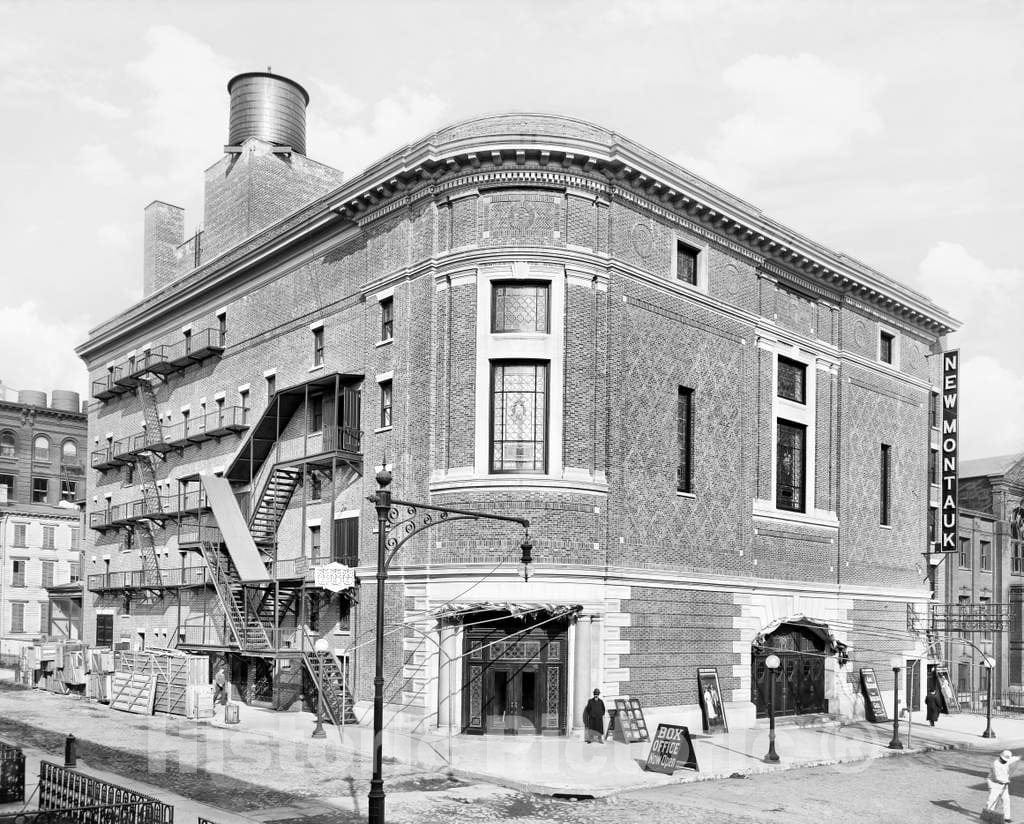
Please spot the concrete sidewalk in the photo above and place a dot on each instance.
(566, 765)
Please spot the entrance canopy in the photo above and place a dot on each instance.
(529, 609)
(819, 629)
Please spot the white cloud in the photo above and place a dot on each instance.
(989, 300)
(184, 109)
(45, 350)
(387, 125)
(92, 105)
(795, 110)
(100, 165)
(112, 235)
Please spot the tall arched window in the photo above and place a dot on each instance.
(41, 449)
(69, 453)
(8, 446)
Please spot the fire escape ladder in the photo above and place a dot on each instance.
(150, 413)
(272, 504)
(247, 630)
(147, 549)
(329, 675)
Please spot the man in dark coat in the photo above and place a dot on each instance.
(933, 704)
(593, 719)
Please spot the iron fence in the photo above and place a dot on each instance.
(12, 774)
(143, 812)
(65, 791)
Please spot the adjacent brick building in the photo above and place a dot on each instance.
(42, 447)
(718, 428)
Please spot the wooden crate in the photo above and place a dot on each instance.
(173, 674)
(133, 692)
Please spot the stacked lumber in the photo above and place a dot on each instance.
(173, 674)
(133, 692)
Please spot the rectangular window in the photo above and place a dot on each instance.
(684, 439)
(104, 630)
(790, 469)
(17, 617)
(884, 470)
(76, 538)
(49, 534)
(6, 488)
(933, 514)
(47, 573)
(792, 380)
(316, 413)
(188, 341)
(686, 263)
(243, 401)
(127, 474)
(385, 404)
(933, 466)
(220, 411)
(69, 490)
(20, 531)
(387, 318)
(222, 328)
(519, 417)
(271, 386)
(933, 411)
(1017, 557)
(40, 490)
(346, 542)
(314, 542)
(318, 346)
(75, 572)
(185, 413)
(885, 347)
(18, 573)
(316, 486)
(519, 307)
(965, 553)
(127, 540)
(985, 556)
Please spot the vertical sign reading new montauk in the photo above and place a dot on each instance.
(950, 438)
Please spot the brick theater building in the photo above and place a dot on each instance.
(718, 428)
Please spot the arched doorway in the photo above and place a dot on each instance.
(800, 678)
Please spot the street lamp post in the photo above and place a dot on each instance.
(406, 519)
(989, 663)
(319, 647)
(772, 663)
(897, 665)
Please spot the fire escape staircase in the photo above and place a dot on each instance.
(272, 504)
(329, 677)
(246, 628)
(146, 468)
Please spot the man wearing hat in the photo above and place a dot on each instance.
(593, 719)
(999, 784)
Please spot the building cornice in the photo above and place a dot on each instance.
(553, 151)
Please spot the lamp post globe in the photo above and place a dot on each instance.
(772, 663)
(897, 665)
(321, 646)
(989, 663)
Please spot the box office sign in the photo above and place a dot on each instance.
(950, 444)
(334, 577)
(671, 750)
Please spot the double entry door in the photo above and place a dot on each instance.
(511, 699)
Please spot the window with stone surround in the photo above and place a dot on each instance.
(985, 556)
(518, 416)
(7, 491)
(8, 445)
(49, 537)
(40, 490)
(41, 449)
(964, 555)
(790, 482)
(318, 346)
(385, 404)
(47, 574)
(20, 533)
(792, 384)
(18, 566)
(886, 347)
(686, 263)
(684, 439)
(387, 318)
(520, 306)
(17, 617)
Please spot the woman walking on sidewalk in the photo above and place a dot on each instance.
(999, 784)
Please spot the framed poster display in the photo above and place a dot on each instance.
(874, 707)
(945, 685)
(627, 723)
(711, 704)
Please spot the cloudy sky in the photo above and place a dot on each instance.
(889, 130)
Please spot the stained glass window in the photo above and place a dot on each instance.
(520, 307)
(789, 478)
(519, 417)
(792, 380)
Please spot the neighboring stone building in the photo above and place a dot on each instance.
(41, 479)
(988, 569)
(718, 428)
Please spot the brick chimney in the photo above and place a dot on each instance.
(164, 233)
